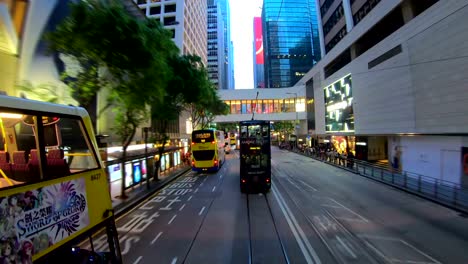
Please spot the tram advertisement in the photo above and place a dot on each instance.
(33, 221)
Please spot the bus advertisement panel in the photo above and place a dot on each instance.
(255, 156)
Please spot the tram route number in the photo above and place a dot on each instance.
(95, 177)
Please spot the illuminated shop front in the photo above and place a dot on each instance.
(339, 116)
(344, 144)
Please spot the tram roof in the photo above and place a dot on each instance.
(33, 105)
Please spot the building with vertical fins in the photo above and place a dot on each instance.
(290, 40)
(228, 46)
(220, 49)
(216, 56)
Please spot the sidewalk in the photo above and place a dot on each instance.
(140, 192)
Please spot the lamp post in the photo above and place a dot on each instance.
(145, 130)
(296, 122)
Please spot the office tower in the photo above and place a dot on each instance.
(216, 55)
(290, 40)
(186, 19)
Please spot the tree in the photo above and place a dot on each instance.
(284, 127)
(98, 34)
(187, 85)
(47, 92)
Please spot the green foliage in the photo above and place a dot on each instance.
(284, 127)
(228, 127)
(99, 35)
(46, 92)
(116, 50)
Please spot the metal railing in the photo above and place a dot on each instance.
(445, 192)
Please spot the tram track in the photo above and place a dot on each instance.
(275, 227)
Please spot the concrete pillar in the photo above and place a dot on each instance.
(348, 15)
(8, 73)
(354, 50)
(407, 9)
(320, 28)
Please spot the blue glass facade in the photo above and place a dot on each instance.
(290, 40)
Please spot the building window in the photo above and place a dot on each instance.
(169, 21)
(326, 5)
(169, 8)
(155, 10)
(332, 43)
(334, 18)
(364, 10)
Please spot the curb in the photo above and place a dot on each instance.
(126, 206)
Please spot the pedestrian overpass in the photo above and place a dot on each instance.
(274, 104)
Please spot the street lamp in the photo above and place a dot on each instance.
(145, 131)
(296, 123)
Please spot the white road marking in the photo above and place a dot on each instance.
(190, 198)
(201, 211)
(346, 247)
(331, 206)
(293, 183)
(304, 244)
(138, 260)
(221, 176)
(358, 215)
(308, 185)
(156, 238)
(172, 219)
(377, 251)
(174, 261)
(182, 207)
(419, 251)
(196, 190)
(201, 184)
(350, 219)
(214, 188)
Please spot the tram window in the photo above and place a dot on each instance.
(244, 131)
(18, 139)
(265, 131)
(75, 145)
(50, 136)
(254, 131)
(25, 137)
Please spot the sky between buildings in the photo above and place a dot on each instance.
(242, 14)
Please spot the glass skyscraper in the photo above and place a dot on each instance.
(290, 39)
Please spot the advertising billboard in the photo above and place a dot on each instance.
(35, 220)
(339, 116)
(258, 40)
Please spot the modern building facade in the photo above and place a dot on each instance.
(392, 85)
(290, 40)
(216, 56)
(219, 42)
(228, 46)
(185, 18)
(258, 58)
